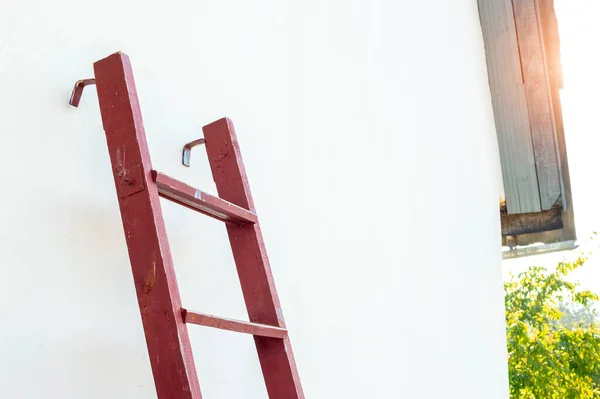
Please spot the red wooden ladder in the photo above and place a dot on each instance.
(138, 189)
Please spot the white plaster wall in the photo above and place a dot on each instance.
(368, 137)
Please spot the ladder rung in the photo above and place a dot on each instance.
(200, 201)
(261, 330)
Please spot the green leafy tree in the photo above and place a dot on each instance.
(575, 315)
(553, 339)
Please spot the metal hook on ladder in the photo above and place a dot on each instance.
(78, 90)
(187, 150)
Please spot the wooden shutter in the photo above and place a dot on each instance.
(521, 97)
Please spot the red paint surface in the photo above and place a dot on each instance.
(233, 325)
(156, 287)
(275, 355)
(190, 197)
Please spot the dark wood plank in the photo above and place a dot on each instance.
(200, 201)
(151, 263)
(244, 327)
(510, 106)
(539, 101)
(250, 255)
(529, 223)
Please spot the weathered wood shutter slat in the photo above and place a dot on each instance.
(509, 101)
(537, 88)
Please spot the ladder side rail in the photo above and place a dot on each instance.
(158, 296)
(250, 255)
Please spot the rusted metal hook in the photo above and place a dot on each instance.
(187, 150)
(78, 90)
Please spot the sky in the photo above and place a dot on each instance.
(580, 55)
